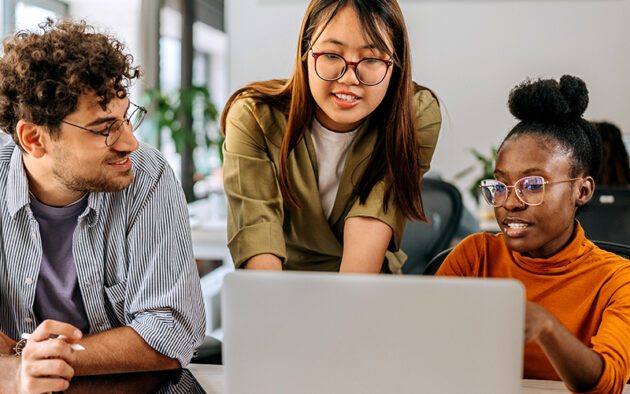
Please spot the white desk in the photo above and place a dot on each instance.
(211, 378)
(209, 238)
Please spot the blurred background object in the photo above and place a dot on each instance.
(615, 167)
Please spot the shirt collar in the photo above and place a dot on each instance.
(17, 184)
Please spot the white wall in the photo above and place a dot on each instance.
(471, 53)
(120, 18)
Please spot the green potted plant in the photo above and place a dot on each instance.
(485, 163)
(167, 112)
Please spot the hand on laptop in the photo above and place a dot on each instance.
(47, 364)
(538, 321)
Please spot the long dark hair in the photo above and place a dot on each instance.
(395, 156)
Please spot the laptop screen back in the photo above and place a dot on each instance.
(329, 333)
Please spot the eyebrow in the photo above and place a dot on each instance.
(108, 118)
(339, 43)
(527, 172)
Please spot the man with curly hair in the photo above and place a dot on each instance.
(95, 246)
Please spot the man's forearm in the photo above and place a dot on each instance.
(119, 350)
(9, 366)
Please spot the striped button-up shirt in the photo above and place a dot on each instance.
(133, 255)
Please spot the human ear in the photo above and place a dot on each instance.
(31, 137)
(585, 191)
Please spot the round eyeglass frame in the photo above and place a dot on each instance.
(518, 192)
(116, 124)
(316, 55)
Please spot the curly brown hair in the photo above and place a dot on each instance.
(43, 74)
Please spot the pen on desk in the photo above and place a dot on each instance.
(73, 346)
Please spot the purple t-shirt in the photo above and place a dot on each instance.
(57, 295)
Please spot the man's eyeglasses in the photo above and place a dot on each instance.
(113, 131)
(331, 67)
(530, 190)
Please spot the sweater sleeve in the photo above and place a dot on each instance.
(612, 341)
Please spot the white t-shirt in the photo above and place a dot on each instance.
(331, 149)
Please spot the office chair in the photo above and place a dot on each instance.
(621, 250)
(607, 216)
(421, 241)
(436, 262)
(209, 352)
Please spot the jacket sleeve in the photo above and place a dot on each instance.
(255, 210)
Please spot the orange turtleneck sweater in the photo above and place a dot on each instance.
(583, 286)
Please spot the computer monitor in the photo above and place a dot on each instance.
(607, 216)
(335, 333)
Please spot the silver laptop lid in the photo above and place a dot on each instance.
(330, 333)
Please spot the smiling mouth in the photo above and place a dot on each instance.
(120, 162)
(517, 225)
(346, 97)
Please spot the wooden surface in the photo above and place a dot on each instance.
(211, 378)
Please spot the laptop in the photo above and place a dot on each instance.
(314, 333)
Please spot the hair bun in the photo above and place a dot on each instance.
(546, 100)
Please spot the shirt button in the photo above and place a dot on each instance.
(28, 320)
(28, 281)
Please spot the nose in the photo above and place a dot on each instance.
(349, 77)
(512, 202)
(127, 142)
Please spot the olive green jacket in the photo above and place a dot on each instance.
(303, 238)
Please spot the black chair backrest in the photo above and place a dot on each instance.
(620, 249)
(607, 216)
(421, 241)
(436, 262)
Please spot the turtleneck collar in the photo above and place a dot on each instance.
(567, 258)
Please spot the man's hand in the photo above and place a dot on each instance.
(6, 344)
(47, 363)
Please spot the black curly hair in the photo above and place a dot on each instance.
(43, 74)
(554, 111)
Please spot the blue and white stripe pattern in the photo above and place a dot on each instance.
(133, 253)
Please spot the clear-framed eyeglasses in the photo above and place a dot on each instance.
(530, 190)
(113, 131)
(369, 71)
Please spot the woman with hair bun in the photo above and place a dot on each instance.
(577, 325)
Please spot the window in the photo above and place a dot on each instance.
(27, 14)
